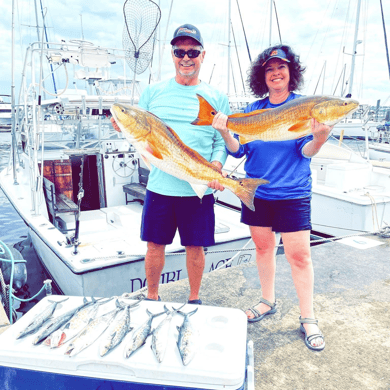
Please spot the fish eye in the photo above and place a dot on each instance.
(213, 113)
(123, 110)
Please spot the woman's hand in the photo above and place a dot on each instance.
(220, 123)
(320, 131)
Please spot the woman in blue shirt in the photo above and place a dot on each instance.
(283, 205)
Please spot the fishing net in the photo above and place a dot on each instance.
(141, 20)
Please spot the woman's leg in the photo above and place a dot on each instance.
(264, 239)
(297, 250)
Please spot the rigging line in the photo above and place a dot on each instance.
(47, 40)
(243, 29)
(384, 32)
(238, 57)
(277, 21)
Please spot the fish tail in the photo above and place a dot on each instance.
(206, 113)
(246, 190)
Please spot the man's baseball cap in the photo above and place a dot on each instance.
(187, 31)
(276, 53)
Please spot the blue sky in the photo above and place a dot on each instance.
(317, 30)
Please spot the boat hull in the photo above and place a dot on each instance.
(128, 277)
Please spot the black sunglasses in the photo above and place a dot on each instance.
(192, 53)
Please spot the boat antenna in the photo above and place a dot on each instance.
(243, 29)
(141, 20)
(384, 32)
(81, 22)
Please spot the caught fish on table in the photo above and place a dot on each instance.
(40, 319)
(287, 122)
(139, 337)
(188, 339)
(117, 330)
(55, 323)
(160, 146)
(160, 335)
(90, 333)
(81, 319)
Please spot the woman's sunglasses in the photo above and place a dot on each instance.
(180, 53)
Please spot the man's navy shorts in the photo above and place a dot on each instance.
(283, 216)
(194, 218)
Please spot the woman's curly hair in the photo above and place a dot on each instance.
(256, 73)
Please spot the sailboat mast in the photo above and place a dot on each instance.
(228, 74)
(13, 129)
(355, 43)
(270, 21)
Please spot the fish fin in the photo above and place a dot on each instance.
(246, 190)
(192, 312)
(176, 310)
(199, 189)
(252, 113)
(206, 113)
(245, 139)
(154, 151)
(301, 126)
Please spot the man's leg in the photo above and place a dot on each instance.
(195, 267)
(154, 264)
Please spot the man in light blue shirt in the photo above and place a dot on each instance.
(171, 203)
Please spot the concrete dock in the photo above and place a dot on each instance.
(351, 302)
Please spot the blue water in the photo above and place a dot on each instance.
(14, 232)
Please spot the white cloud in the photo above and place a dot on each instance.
(316, 30)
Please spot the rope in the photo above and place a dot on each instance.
(379, 232)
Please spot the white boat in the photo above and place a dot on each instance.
(379, 141)
(5, 114)
(353, 128)
(350, 195)
(82, 210)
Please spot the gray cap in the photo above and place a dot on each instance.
(187, 31)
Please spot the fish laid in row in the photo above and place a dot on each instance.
(160, 335)
(90, 333)
(117, 330)
(160, 146)
(55, 323)
(139, 336)
(81, 319)
(40, 319)
(188, 339)
(289, 121)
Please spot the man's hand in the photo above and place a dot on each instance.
(215, 184)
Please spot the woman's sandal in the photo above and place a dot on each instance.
(312, 336)
(257, 315)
